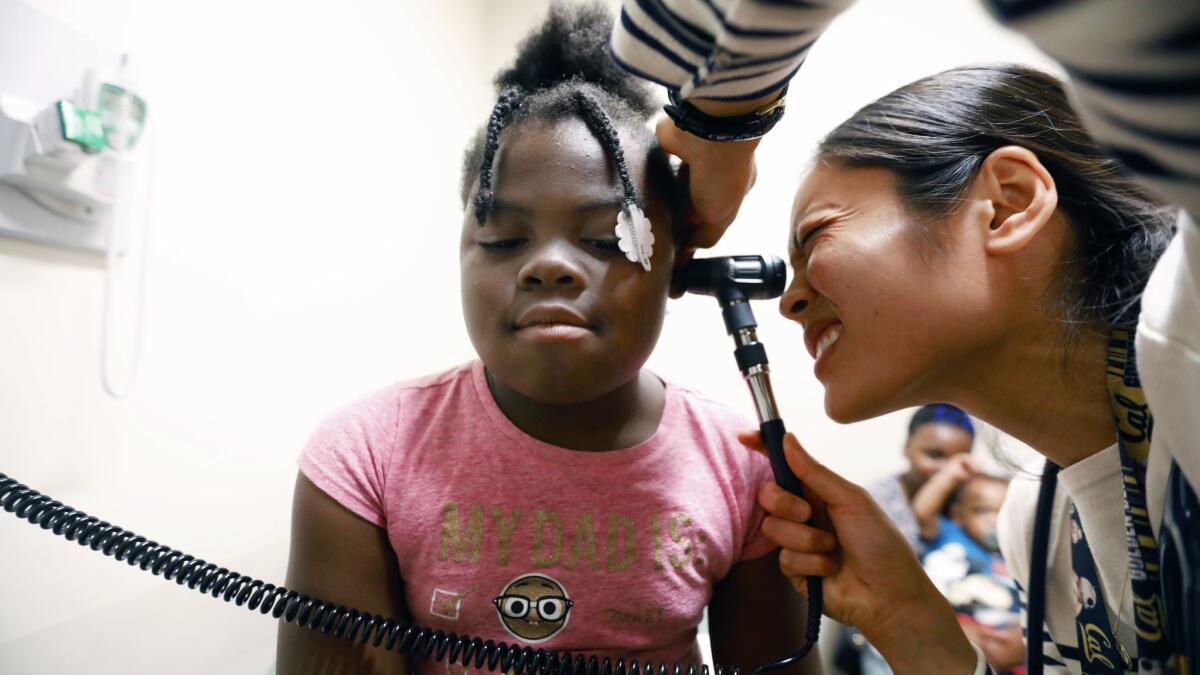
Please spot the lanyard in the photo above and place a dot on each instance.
(1100, 652)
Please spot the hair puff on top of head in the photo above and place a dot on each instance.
(573, 44)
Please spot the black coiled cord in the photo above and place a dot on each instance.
(812, 628)
(309, 612)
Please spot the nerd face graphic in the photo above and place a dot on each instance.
(533, 607)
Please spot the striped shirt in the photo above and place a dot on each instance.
(1134, 67)
(720, 49)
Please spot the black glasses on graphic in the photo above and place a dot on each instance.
(548, 607)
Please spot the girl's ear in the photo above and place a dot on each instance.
(1022, 195)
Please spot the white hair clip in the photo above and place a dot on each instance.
(634, 236)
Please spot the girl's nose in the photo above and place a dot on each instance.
(550, 268)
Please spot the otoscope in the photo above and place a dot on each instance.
(734, 281)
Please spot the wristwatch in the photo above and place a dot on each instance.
(753, 124)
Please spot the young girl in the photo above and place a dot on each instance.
(552, 493)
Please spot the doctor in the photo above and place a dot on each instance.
(983, 197)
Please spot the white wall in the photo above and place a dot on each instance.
(303, 253)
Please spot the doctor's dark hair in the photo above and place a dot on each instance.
(564, 69)
(935, 133)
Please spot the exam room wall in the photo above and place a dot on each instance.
(304, 252)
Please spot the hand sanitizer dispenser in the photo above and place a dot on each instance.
(74, 156)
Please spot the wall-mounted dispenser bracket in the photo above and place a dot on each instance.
(54, 189)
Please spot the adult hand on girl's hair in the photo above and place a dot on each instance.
(871, 579)
(719, 175)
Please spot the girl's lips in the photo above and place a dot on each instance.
(550, 314)
(553, 332)
(549, 322)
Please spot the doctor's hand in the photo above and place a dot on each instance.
(871, 578)
(718, 175)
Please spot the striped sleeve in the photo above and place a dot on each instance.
(720, 49)
(1134, 71)
(1134, 67)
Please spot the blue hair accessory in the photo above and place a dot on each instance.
(941, 413)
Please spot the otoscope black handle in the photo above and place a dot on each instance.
(772, 436)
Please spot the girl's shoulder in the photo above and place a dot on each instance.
(350, 453)
(704, 408)
(712, 425)
(404, 397)
(372, 424)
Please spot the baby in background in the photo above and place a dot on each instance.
(957, 517)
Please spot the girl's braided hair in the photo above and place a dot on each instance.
(564, 69)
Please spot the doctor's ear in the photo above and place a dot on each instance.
(1022, 195)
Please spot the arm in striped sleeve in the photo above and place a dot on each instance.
(727, 50)
(1134, 71)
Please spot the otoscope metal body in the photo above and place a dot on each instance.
(735, 281)
(758, 377)
(752, 360)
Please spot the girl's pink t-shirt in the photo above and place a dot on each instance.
(507, 538)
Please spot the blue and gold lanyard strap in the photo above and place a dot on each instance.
(1100, 651)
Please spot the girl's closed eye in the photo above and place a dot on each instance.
(604, 245)
(500, 245)
(507, 229)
